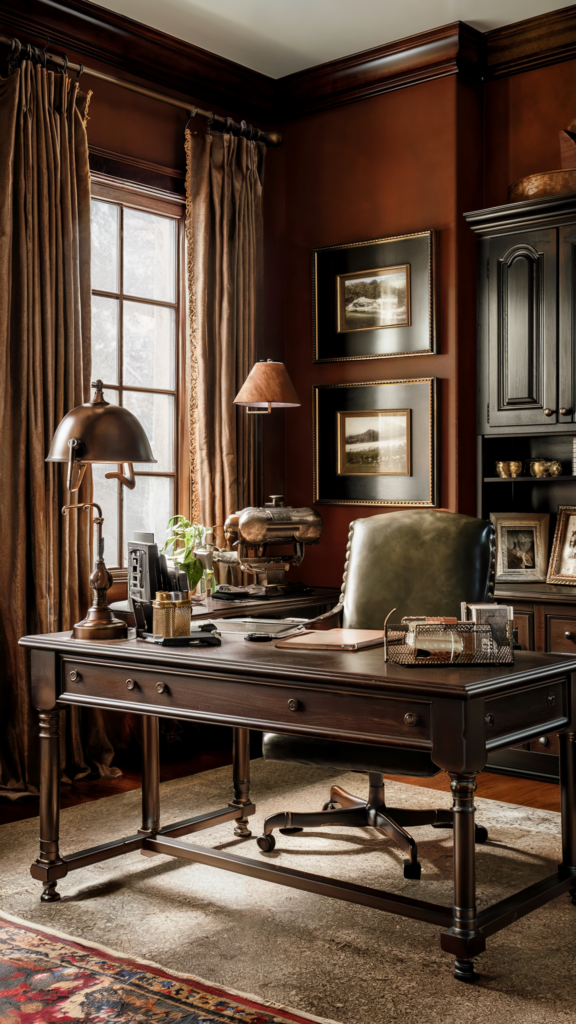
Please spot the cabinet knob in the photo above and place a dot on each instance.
(410, 718)
(161, 687)
(544, 741)
(564, 412)
(75, 676)
(130, 684)
(551, 699)
(548, 412)
(489, 719)
(569, 635)
(293, 704)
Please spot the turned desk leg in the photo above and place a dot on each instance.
(49, 860)
(241, 777)
(463, 939)
(568, 802)
(150, 774)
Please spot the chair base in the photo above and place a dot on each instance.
(344, 808)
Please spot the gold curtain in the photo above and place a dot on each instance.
(225, 234)
(44, 372)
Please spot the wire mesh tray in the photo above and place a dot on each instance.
(464, 643)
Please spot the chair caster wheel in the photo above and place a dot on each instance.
(329, 806)
(412, 869)
(266, 843)
(290, 831)
(480, 834)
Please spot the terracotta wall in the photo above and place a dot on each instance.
(383, 166)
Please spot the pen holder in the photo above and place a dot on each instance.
(182, 612)
(163, 614)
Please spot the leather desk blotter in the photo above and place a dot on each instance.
(334, 639)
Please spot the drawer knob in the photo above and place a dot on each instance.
(563, 411)
(489, 719)
(293, 704)
(130, 684)
(551, 699)
(544, 741)
(75, 676)
(161, 687)
(410, 718)
(548, 412)
(569, 635)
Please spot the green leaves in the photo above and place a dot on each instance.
(187, 536)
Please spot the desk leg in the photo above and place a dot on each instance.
(150, 774)
(463, 939)
(49, 866)
(241, 776)
(568, 801)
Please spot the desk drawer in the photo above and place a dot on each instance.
(561, 634)
(526, 709)
(265, 705)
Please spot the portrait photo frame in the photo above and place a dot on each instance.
(375, 443)
(563, 555)
(521, 546)
(375, 299)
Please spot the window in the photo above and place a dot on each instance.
(137, 330)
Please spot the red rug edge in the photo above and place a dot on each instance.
(81, 944)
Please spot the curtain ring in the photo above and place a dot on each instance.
(65, 68)
(80, 72)
(15, 50)
(210, 118)
(192, 114)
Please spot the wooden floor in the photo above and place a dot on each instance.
(494, 787)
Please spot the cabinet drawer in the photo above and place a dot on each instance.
(263, 705)
(525, 710)
(561, 634)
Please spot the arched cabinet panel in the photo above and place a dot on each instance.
(521, 272)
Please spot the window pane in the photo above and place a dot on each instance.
(104, 223)
(106, 495)
(149, 346)
(149, 256)
(148, 508)
(156, 414)
(105, 339)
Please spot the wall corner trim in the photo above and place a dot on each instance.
(533, 43)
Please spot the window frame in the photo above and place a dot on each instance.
(134, 196)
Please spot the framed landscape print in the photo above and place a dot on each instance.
(562, 568)
(521, 546)
(375, 299)
(375, 443)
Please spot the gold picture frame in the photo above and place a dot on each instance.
(354, 309)
(521, 546)
(563, 555)
(361, 454)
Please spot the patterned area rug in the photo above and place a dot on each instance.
(48, 978)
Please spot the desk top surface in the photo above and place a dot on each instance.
(345, 670)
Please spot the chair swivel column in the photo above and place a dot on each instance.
(464, 921)
(568, 802)
(241, 778)
(150, 774)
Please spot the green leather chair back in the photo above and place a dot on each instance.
(419, 562)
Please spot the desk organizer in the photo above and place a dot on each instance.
(462, 643)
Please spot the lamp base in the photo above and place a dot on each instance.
(100, 624)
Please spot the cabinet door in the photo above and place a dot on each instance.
(566, 324)
(523, 329)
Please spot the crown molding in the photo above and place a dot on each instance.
(449, 50)
(534, 43)
(95, 33)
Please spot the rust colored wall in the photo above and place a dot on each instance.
(524, 114)
(383, 166)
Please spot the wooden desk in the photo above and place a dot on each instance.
(460, 715)
(315, 601)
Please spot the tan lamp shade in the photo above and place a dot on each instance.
(268, 385)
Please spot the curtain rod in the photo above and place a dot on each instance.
(17, 51)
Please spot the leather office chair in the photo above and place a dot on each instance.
(421, 563)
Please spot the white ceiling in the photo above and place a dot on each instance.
(278, 37)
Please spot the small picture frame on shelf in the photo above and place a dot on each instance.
(521, 546)
(562, 567)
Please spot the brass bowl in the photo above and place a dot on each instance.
(555, 468)
(509, 469)
(538, 467)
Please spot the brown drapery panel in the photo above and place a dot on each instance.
(225, 236)
(44, 372)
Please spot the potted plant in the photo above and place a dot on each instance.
(183, 546)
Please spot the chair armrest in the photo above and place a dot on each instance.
(329, 620)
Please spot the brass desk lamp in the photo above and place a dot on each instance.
(99, 432)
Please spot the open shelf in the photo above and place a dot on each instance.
(527, 479)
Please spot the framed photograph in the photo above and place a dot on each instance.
(369, 301)
(375, 299)
(562, 568)
(521, 546)
(375, 443)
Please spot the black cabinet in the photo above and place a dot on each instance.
(527, 322)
